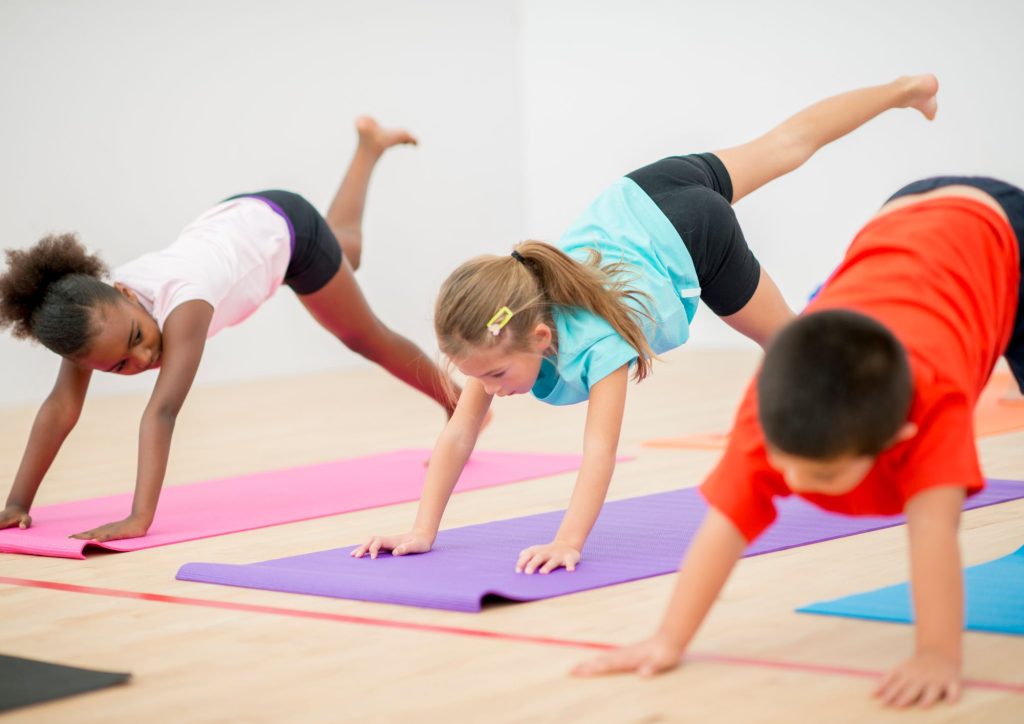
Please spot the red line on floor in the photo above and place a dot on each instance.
(470, 632)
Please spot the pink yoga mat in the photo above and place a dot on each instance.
(244, 502)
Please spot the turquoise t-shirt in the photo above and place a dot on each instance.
(625, 225)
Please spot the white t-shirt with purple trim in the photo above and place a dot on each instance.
(233, 256)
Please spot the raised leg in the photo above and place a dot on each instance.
(345, 215)
(792, 142)
(341, 309)
(764, 315)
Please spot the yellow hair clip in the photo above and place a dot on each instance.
(499, 320)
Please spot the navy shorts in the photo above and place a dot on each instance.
(316, 253)
(695, 194)
(1011, 199)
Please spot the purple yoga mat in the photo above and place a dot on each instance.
(633, 538)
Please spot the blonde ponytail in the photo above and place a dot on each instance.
(529, 285)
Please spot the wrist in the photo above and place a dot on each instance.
(572, 542)
(425, 531)
(947, 653)
(142, 518)
(671, 639)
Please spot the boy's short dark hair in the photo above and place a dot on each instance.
(833, 383)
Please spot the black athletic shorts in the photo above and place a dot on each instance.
(695, 194)
(1011, 199)
(316, 253)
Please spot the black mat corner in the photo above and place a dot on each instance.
(25, 681)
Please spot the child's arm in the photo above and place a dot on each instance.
(449, 457)
(706, 567)
(933, 672)
(55, 419)
(600, 443)
(184, 337)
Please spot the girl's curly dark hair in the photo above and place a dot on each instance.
(48, 291)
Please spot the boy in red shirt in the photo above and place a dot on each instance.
(864, 406)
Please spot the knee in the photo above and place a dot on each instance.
(365, 341)
(354, 258)
(351, 243)
(793, 146)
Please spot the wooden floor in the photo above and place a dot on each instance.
(195, 663)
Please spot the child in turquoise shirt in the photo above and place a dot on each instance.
(568, 322)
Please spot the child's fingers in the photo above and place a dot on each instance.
(375, 546)
(910, 693)
(551, 565)
(897, 690)
(884, 684)
(531, 565)
(932, 693)
(610, 663)
(654, 663)
(524, 556)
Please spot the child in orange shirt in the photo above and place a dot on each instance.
(864, 404)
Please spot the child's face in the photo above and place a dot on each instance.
(836, 476)
(128, 340)
(504, 372)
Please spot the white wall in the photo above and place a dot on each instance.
(611, 86)
(123, 120)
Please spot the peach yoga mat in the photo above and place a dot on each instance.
(992, 416)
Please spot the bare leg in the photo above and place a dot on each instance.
(791, 143)
(341, 309)
(1012, 395)
(764, 315)
(345, 215)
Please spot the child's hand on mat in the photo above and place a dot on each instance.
(130, 527)
(15, 515)
(647, 658)
(415, 541)
(548, 557)
(923, 679)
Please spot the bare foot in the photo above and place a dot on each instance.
(378, 139)
(920, 93)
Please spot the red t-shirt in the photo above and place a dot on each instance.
(942, 275)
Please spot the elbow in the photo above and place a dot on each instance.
(459, 438)
(164, 414)
(62, 416)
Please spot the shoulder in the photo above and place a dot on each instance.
(944, 449)
(743, 484)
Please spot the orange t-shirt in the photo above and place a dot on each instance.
(942, 275)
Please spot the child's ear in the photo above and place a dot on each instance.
(542, 337)
(906, 432)
(126, 292)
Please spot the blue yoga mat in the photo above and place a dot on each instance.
(994, 596)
